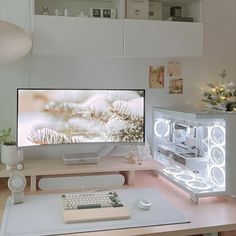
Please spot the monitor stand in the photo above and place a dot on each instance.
(114, 150)
(81, 158)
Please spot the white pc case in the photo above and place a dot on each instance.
(196, 150)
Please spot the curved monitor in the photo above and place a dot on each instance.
(66, 116)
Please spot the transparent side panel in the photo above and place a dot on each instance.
(191, 151)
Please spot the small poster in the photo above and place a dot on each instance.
(176, 86)
(156, 77)
(174, 69)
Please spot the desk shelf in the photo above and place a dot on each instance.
(35, 168)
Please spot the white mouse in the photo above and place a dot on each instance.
(143, 204)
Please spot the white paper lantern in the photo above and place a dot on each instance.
(15, 42)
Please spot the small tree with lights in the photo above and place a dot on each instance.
(222, 96)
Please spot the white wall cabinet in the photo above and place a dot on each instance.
(131, 38)
(71, 35)
(54, 35)
(150, 39)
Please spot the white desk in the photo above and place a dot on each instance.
(212, 214)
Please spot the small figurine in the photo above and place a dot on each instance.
(132, 158)
(45, 10)
(8, 166)
(20, 166)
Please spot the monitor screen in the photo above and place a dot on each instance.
(67, 116)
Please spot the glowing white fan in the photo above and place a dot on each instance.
(198, 184)
(162, 128)
(218, 134)
(217, 155)
(217, 175)
(173, 170)
(185, 176)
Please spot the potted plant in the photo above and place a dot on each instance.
(10, 155)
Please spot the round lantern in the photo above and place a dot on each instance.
(15, 42)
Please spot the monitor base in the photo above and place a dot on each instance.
(81, 158)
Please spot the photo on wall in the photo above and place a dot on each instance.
(156, 76)
(176, 86)
(174, 69)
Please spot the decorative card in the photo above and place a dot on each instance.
(176, 86)
(174, 69)
(156, 77)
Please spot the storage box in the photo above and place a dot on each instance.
(137, 9)
(177, 18)
(176, 11)
(155, 10)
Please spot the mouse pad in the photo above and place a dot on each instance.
(42, 215)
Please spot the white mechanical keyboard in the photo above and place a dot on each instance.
(93, 206)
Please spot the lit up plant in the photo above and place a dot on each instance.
(221, 96)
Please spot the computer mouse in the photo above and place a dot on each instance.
(144, 203)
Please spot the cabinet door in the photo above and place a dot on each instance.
(146, 38)
(77, 36)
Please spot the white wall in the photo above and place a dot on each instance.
(220, 37)
(16, 12)
(219, 19)
(15, 74)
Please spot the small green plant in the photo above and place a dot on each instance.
(5, 137)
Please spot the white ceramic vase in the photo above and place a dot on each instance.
(10, 155)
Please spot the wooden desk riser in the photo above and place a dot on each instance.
(211, 214)
(36, 168)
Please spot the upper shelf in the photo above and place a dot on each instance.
(169, 3)
(77, 7)
(189, 8)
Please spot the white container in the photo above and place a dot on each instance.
(137, 9)
(66, 12)
(155, 10)
(57, 12)
(10, 155)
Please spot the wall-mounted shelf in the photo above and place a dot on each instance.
(190, 8)
(135, 38)
(76, 7)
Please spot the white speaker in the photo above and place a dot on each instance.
(81, 182)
